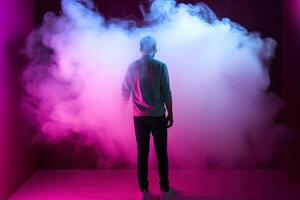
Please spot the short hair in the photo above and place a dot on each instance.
(147, 44)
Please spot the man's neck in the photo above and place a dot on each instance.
(148, 55)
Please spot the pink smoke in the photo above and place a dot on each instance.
(223, 113)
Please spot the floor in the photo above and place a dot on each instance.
(189, 184)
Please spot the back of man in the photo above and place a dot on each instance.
(150, 86)
(147, 81)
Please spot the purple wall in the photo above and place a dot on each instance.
(291, 79)
(267, 21)
(17, 158)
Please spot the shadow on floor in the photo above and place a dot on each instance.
(181, 196)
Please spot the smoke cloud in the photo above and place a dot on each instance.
(219, 72)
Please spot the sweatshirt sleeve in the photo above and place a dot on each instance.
(126, 87)
(165, 85)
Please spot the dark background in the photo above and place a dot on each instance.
(264, 16)
(20, 158)
(261, 16)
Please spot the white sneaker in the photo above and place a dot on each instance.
(167, 195)
(143, 195)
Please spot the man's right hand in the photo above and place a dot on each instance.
(169, 121)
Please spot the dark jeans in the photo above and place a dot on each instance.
(158, 126)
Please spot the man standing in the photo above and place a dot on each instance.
(147, 81)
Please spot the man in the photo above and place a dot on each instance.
(147, 81)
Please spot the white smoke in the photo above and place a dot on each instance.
(223, 112)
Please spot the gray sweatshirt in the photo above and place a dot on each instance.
(147, 80)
